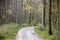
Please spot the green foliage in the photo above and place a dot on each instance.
(32, 23)
(40, 27)
(9, 12)
(24, 24)
(10, 32)
(44, 34)
(29, 8)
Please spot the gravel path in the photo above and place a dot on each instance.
(27, 33)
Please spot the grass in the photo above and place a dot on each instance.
(44, 34)
(11, 31)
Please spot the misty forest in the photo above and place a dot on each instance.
(29, 20)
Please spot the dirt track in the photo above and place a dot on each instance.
(27, 33)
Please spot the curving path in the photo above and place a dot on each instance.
(27, 33)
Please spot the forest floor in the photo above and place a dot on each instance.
(27, 33)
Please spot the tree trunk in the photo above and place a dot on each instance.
(44, 14)
(50, 27)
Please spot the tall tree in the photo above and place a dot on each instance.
(50, 27)
(44, 14)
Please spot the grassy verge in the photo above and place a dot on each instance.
(44, 34)
(10, 32)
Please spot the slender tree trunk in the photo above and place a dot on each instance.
(58, 38)
(29, 19)
(50, 27)
(30, 14)
(44, 14)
